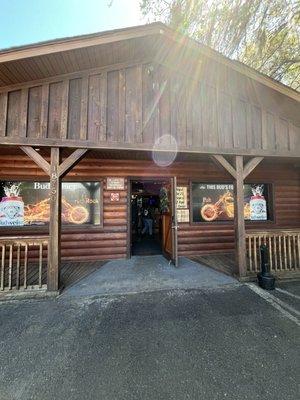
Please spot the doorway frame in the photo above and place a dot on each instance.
(129, 191)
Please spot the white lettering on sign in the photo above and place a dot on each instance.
(115, 183)
(41, 185)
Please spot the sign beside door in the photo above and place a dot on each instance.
(181, 197)
(183, 213)
(113, 183)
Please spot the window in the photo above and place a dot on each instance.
(215, 202)
(28, 203)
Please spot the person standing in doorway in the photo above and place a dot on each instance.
(148, 221)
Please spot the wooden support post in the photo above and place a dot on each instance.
(239, 173)
(56, 171)
(55, 222)
(239, 222)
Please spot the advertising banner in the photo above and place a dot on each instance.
(215, 202)
(28, 203)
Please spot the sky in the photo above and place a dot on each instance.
(30, 21)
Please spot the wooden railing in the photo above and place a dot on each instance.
(23, 263)
(284, 250)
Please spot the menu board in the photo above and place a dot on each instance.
(181, 196)
(183, 215)
(28, 203)
(215, 202)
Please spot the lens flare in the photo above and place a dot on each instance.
(164, 150)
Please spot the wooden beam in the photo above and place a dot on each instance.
(55, 170)
(239, 221)
(249, 167)
(54, 223)
(37, 158)
(106, 145)
(69, 162)
(220, 160)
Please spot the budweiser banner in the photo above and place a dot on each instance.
(28, 203)
(215, 202)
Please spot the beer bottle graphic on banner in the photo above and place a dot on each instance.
(12, 207)
(258, 204)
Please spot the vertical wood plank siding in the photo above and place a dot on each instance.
(13, 113)
(34, 112)
(3, 113)
(93, 243)
(139, 103)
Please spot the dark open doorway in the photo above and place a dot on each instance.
(146, 216)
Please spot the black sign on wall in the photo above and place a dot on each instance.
(215, 202)
(28, 203)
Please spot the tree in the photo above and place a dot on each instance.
(264, 34)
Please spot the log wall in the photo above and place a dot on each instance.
(93, 243)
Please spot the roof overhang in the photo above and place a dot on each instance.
(78, 42)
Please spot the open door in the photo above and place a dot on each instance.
(169, 228)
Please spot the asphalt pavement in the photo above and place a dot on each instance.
(208, 343)
(148, 273)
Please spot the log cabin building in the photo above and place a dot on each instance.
(96, 129)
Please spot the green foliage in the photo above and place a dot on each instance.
(164, 200)
(264, 34)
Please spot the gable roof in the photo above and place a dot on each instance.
(79, 41)
(37, 50)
